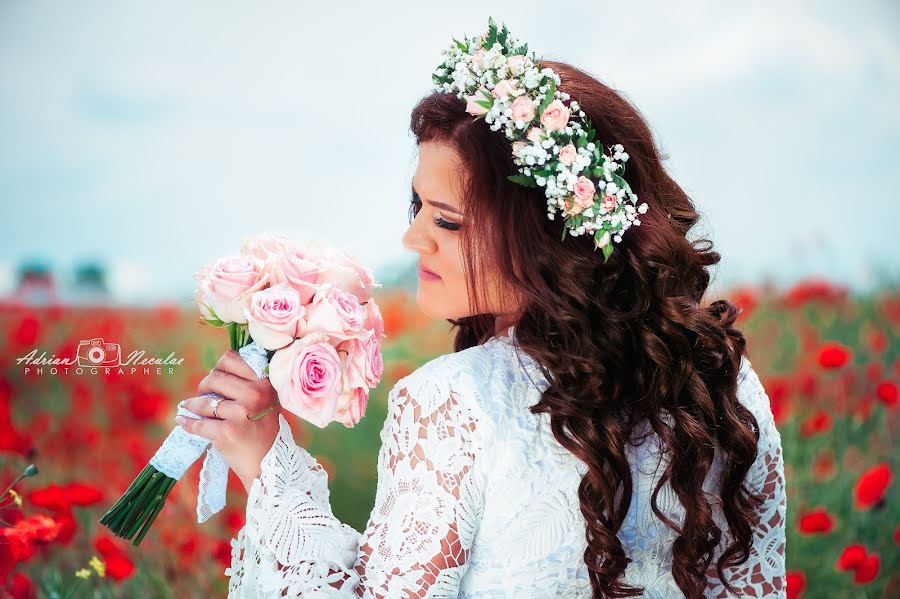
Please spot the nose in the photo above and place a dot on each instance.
(417, 239)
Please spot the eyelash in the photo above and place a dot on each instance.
(415, 204)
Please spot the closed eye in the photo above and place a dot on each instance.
(415, 204)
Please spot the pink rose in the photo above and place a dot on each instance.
(274, 315)
(307, 376)
(523, 109)
(363, 364)
(267, 246)
(609, 202)
(503, 89)
(568, 154)
(518, 146)
(478, 58)
(344, 271)
(534, 134)
(556, 116)
(301, 269)
(516, 64)
(333, 312)
(604, 239)
(472, 106)
(374, 321)
(584, 192)
(352, 406)
(227, 286)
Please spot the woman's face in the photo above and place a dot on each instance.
(437, 189)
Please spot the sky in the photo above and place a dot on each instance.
(155, 137)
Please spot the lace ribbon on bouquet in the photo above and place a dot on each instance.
(181, 449)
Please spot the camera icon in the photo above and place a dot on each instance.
(95, 353)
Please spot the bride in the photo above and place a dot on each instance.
(598, 431)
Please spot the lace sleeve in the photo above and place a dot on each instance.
(763, 574)
(419, 533)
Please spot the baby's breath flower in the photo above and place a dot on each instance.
(470, 64)
(83, 573)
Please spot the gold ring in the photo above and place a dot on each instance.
(263, 413)
(214, 404)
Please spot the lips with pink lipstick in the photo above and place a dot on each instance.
(427, 275)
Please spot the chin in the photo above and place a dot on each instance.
(431, 304)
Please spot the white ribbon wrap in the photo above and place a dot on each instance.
(181, 449)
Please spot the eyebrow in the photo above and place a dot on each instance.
(440, 205)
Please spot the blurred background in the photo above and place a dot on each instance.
(141, 141)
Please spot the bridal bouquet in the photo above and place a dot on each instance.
(302, 315)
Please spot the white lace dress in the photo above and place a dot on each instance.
(476, 498)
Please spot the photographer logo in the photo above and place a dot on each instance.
(95, 356)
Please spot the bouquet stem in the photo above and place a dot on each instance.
(134, 512)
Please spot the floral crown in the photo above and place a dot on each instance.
(553, 143)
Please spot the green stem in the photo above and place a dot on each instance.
(72, 592)
(167, 486)
(137, 503)
(145, 506)
(136, 484)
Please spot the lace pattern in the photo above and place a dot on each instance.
(475, 498)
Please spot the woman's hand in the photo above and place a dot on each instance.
(242, 442)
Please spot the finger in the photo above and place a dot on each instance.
(247, 393)
(208, 427)
(232, 362)
(228, 409)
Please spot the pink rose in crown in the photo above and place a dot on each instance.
(274, 316)
(609, 203)
(478, 58)
(308, 377)
(503, 89)
(523, 109)
(556, 116)
(534, 134)
(227, 286)
(584, 192)
(568, 154)
(516, 64)
(472, 105)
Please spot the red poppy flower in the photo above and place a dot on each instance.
(81, 494)
(887, 393)
(21, 587)
(118, 566)
(796, 584)
(222, 552)
(51, 497)
(897, 536)
(871, 486)
(816, 521)
(818, 422)
(851, 557)
(868, 569)
(833, 355)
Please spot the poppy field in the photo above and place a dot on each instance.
(71, 442)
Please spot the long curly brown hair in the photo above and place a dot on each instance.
(619, 342)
